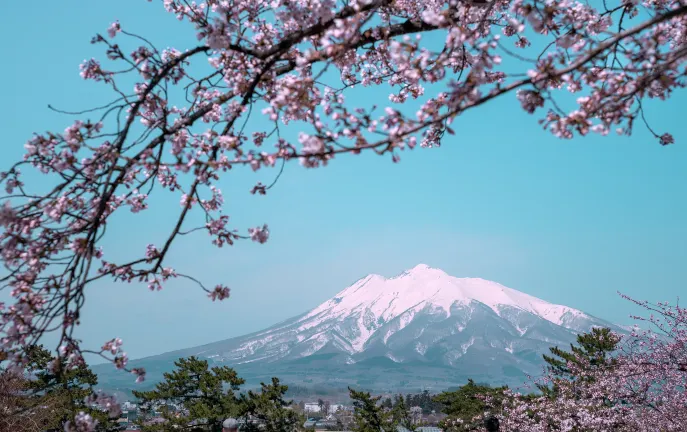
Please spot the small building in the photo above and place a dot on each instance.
(333, 408)
(311, 407)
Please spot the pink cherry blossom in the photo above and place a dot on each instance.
(105, 402)
(112, 345)
(114, 29)
(90, 69)
(259, 234)
(666, 139)
(219, 293)
(82, 423)
(639, 388)
(140, 374)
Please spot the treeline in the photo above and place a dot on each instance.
(197, 397)
(299, 391)
(425, 400)
(193, 397)
(480, 407)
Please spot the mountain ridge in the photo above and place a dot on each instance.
(421, 322)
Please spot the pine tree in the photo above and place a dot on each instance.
(66, 389)
(593, 350)
(268, 411)
(368, 414)
(192, 394)
(465, 405)
(400, 413)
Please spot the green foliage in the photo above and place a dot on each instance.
(465, 404)
(205, 396)
(593, 351)
(196, 397)
(423, 400)
(65, 389)
(369, 415)
(270, 409)
(400, 414)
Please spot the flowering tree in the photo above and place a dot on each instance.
(640, 388)
(17, 411)
(178, 119)
(38, 399)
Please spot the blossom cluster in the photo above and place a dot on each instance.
(640, 388)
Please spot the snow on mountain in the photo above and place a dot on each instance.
(377, 304)
(423, 287)
(448, 328)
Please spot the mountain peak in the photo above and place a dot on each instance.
(420, 268)
(376, 299)
(423, 270)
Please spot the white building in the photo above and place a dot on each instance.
(128, 406)
(333, 408)
(311, 407)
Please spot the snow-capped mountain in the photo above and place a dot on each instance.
(420, 328)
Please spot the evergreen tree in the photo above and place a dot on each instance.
(593, 350)
(423, 400)
(400, 413)
(465, 406)
(192, 394)
(368, 414)
(66, 389)
(20, 411)
(268, 411)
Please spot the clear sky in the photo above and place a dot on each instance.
(571, 222)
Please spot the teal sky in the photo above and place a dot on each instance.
(571, 222)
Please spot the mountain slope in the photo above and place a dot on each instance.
(422, 328)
